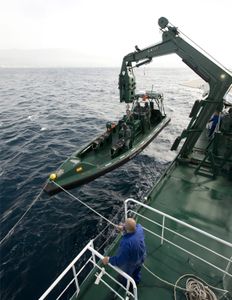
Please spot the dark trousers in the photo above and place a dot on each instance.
(135, 273)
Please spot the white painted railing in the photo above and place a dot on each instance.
(95, 255)
(161, 222)
(164, 228)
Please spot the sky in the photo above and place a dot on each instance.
(98, 33)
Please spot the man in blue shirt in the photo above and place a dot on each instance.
(132, 250)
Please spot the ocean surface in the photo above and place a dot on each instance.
(46, 115)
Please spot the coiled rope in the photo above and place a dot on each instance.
(196, 288)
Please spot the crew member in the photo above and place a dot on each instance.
(131, 252)
(214, 121)
(126, 134)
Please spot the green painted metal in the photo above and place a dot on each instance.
(120, 143)
(204, 203)
(183, 192)
(219, 78)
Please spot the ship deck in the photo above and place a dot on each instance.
(192, 215)
(197, 200)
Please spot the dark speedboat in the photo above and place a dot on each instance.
(118, 144)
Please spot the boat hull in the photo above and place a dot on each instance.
(74, 181)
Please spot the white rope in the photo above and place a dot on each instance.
(193, 284)
(197, 290)
(164, 281)
(105, 228)
(89, 207)
(22, 217)
(207, 53)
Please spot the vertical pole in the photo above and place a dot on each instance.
(93, 255)
(76, 281)
(127, 287)
(135, 293)
(162, 235)
(125, 207)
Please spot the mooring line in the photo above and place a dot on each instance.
(22, 217)
(89, 207)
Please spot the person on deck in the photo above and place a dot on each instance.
(214, 121)
(131, 252)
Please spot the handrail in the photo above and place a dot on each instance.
(94, 253)
(65, 271)
(164, 227)
(176, 220)
(128, 277)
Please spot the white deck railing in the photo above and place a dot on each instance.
(164, 228)
(95, 255)
(161, 222)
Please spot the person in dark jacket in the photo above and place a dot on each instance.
(132, 250)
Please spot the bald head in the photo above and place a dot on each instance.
(130, 225)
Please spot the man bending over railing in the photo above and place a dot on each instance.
(132, 251)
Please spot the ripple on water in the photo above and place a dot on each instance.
(46, 114)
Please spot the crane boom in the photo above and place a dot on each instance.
(218, 78)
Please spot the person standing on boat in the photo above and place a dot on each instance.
(131, 252)
(126, 134)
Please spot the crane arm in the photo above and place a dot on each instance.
(219, 79)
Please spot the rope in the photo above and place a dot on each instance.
(23, 216)
(164, 281)
(89, 207)
(112, 232)
(196, 288)
(218, 62)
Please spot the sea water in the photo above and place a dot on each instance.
(45, 116)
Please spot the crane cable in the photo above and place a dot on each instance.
(208, 54)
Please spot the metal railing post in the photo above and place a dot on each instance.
(75, 278)
(162, 235)
(93, 255)
(125, 208)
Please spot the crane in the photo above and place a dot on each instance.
(218, 78)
